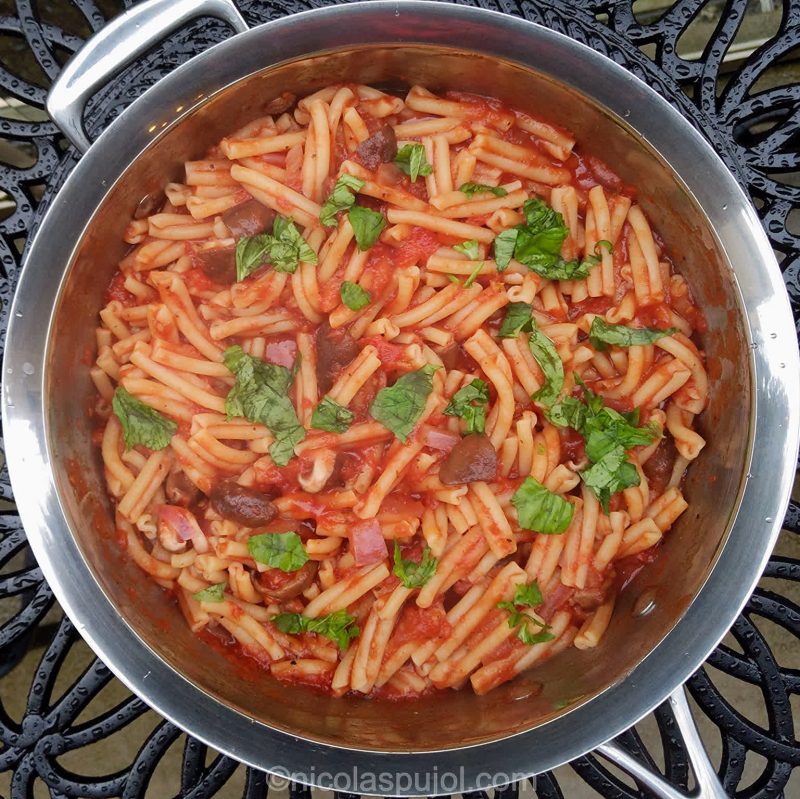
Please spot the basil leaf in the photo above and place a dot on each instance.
(341, 198)
(473, 275)
(551, 365)
(353, 296)
(468, 248)
(214, 593)
(541, 510)
(540, 238)
(611, 474)
(288, 247)
(340, 626)
(527, 637)
(284, 249)
(410, 573)
(526, 596)
(602, 333)
(537, 244)
(251, 253)
(141, 424)
(411, 160)
(518, 317)
(504, 245)
(470, 402)
(570, 412)
(540, 250)
(471, 189)
(398, 407)
(608, 435)
(367, 225)
(282, 551)
(563, 270)
(331, 417)
(261, 394)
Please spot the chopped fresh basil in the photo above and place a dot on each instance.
(468, 248)
(411, 160)
(261, 394)
(504, 245)
(518, 317)
(569, 412)
(284, 249)
(540, 238)
(367, 226)
(141, 424)
(214, 593)
(530, 638)
(340, 626)
(251, 253)
(608, 435)
(353, 296)
(288, 247)
(564, 270)
(470, 402)
(526, 596)
(341, 198)
(551, 365)
(331, 417)
(411, 573)
(541, 510)
(399, 406)
(282, 551)
(471, 189)
(537, 244)
(595, 258)
(602, 334)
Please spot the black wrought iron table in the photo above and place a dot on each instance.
(751, 114)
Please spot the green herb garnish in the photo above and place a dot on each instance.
(331, 417)
(410, 573)
(398, 407)
(141, 424)
(261, 394)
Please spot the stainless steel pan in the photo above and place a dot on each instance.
(675, 611)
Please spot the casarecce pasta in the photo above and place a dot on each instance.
(395, 393)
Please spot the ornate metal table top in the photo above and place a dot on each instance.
(750, 113)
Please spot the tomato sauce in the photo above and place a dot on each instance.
(116, 291)
(419, 624)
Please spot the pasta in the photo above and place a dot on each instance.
(394, 394)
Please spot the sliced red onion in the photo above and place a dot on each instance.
(441, 439)
(183, 523)
(367, 543)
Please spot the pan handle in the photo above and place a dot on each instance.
(708, 784)
(117, 44)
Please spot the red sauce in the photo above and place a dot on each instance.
(573, 447)
(595, 305)
(390, 354)
(197, 281)
(658, 315)
(116, 291)
(419, 624)
(415, 249)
